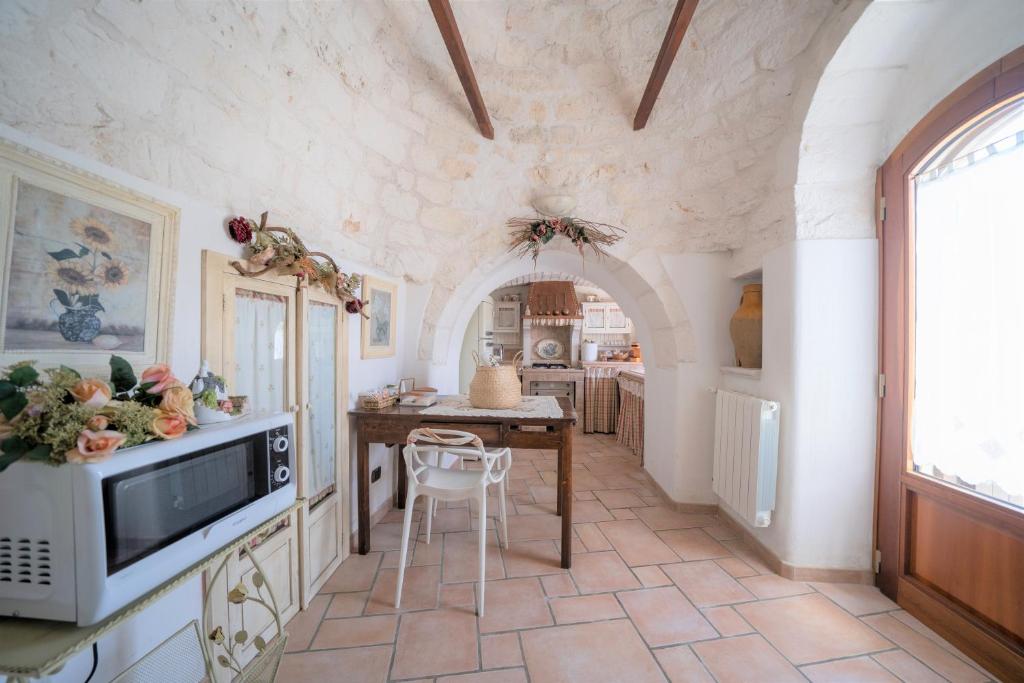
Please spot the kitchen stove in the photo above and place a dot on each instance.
(549, 366)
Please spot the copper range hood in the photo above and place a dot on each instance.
(552, 303)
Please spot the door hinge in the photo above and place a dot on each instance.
(881, 209)
(881, 385)
(878, 561)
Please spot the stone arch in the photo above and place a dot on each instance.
(897, 62)
(640, 285)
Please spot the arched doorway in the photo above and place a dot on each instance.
(644, 290)
(640, 284)
(500, 331)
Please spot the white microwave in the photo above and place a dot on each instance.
(79, 542)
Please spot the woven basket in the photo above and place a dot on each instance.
(371, 403)
(497, 388)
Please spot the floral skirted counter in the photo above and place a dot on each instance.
(630, 427)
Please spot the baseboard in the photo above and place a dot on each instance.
(770, 559)
(794, 572)
(687, 508)
(377, 515)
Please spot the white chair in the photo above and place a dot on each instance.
(424, 454)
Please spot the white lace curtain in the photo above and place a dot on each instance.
(969, 329)
(322, 427)
(260, 327)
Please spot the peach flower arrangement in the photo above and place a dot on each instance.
(60, 416)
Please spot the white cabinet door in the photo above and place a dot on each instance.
(605, 318)
(595, 318)
(323, 442)
(506, 316)
(618, 323)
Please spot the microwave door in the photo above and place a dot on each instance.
(152, 507)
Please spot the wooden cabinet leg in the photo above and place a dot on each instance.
(565, 493)
(363, 492)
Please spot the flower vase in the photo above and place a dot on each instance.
(745, 328)
(79, 324)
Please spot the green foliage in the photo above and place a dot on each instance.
(135, 421)
(208, 398)
(6, 459)
(14, 445)
(91, 301)
(62, 297)
(71, 371)
(40, 453)
(63, 254)
(121, 374)
(64, 423)
(15, 448)
(23, 375)
(12, 405)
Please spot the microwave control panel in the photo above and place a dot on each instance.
(279, 443)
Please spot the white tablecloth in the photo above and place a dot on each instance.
(530, 406)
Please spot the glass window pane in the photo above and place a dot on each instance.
(967, 418)
(322, 425)
(260, 347)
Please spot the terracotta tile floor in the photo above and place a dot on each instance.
(653, 595)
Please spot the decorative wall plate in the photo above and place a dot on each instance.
(549, 349)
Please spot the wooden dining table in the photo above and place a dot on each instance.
(390, 426)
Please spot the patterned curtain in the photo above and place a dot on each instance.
(321, 375)
(631, 416)
(260, 325)
(600, 400)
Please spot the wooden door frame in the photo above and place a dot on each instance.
(337, 502)
(896, 485)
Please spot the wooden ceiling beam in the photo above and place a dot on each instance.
(442, 10)
(669, 47)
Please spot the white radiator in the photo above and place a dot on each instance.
(746, 455)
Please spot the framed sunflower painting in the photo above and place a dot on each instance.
(87, 266)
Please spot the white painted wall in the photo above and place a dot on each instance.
(710, 298)
(202, 227)
(364, 375)
(820, 363)
(897, 62)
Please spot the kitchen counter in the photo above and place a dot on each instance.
(636, 374)
(566, 382)
(554, 370)
(632, 366)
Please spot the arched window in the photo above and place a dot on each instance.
(967, 398)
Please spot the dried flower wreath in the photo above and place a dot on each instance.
(530, 234)
(277, 248)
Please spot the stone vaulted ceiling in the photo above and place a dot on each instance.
(347, 119)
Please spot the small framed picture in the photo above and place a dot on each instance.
(379, 330)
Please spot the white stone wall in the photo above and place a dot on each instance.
(346, 118)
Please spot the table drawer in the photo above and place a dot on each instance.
(489, 433)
